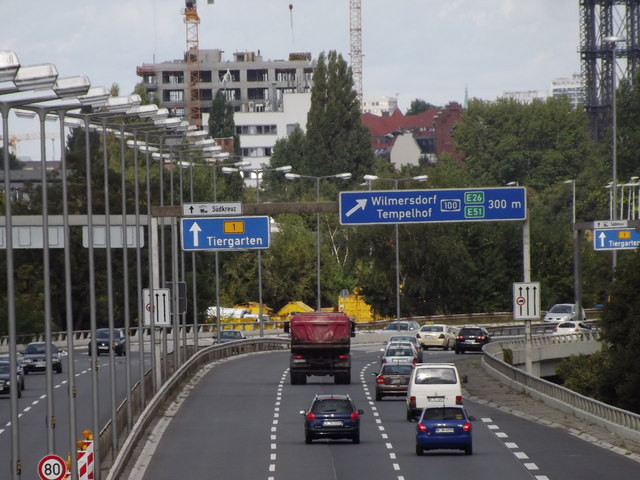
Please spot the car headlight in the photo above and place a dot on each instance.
(27, 360)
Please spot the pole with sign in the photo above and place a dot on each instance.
(526, 301)
(52, 467)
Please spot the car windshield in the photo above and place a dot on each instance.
(444, 413)
(38, 348)
(103, 333)
(435, 376)
(332, 406)
(403, 339)
(397, 326)
(397, 370)
(432, 328)
(229, 334)
(4, 368)
(567, 325)
(560, 309)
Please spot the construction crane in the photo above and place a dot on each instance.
(15, 139)
(355, 37)
(192, 59)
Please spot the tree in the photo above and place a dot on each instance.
(418, 106)
(336, 140)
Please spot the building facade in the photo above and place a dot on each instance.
(380, 106)
(250, 83)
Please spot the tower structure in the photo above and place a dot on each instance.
(601, 20)
(355, 37)
(192, 60)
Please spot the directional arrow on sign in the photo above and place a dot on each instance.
(360, 205)
(195, 229)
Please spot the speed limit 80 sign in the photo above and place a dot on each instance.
(52, 467)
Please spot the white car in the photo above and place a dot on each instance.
(562, 312)
(571, 328)
(442, 336)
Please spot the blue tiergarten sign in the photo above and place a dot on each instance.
(616, 239)
(225, 233)
(435, 206)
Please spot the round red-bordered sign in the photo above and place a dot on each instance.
(520, 301)
(52, 467)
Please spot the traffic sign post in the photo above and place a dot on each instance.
(433, 206)
(526, 301)
(223, 209)
(616, 239)
(52, 467)
(159, 308)
(225, 234)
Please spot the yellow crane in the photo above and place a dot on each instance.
(14, 140)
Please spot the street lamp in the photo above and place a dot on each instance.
(418, 178)
(258, 172)
(573, 199)
(294, 176)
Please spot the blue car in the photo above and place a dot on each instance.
(446, 428)
(332, 416)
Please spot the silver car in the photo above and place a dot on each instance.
(396, 354)
(563, 312)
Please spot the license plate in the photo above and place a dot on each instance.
(395, 381)
(40, 364)
(332, 423)
(469, 341)
(444, 430)
(435, 399)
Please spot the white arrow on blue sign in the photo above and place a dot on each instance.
(616, 239)
(225, 233)
(435, 206)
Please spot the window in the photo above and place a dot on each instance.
(257, 75)
(226, 76)
(436, 376)
(172, 77)
(173, 96)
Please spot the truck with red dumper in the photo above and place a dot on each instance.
(320, 345)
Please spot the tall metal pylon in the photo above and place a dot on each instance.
(355, 37)
(600, 19)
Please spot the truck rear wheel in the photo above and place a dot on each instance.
(298, 378)
(343, 378)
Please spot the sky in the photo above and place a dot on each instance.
(427, 49)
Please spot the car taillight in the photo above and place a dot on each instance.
(414, 362)
(384, 360)
(311, 416)
(480, 337)
(412, 402)
(380, 380)
(355, 416)
(297, 357)
(555, 329)
(422, 428)
(458, 400)
(460, 337)
(576, 330)
(343, 357)
(466, 427)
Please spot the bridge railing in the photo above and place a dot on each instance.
(621, 422)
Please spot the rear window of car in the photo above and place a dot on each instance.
(436, 376)
(566, 325)
(432, 328)
(471, 331)
(332, 405)
(445, 413)
(397, 370)
(399, 352)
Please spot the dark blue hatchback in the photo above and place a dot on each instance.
(332, 416)
(446, 428)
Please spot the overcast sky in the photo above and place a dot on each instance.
(428, 49)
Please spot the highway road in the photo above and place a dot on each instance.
(33, 409)
(242, 421)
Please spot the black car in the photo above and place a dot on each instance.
(20, 371)
(34, 358)
(5, 379)
(102, 341)
(471, 339)
(332, 416)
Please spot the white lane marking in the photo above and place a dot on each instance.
(510, 445)
(381, 429)
(521, 455)
(531, 466)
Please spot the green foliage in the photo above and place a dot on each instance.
(582, 374)
(418, 106)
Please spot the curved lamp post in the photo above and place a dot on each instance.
(295, 176)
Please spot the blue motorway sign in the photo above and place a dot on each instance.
(421, 206)
(225, 233)
(616, 239)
